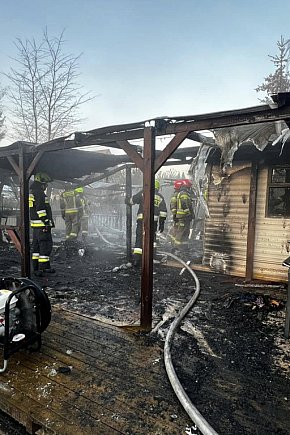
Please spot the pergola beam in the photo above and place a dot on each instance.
(132, 153)
(230, 119)
(169, 150)
(118, 137)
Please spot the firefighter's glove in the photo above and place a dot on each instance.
(161, 226)
(46, 229)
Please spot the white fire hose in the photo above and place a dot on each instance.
(188, 406)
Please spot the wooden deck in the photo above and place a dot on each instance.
(117, 383)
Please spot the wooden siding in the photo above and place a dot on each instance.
(226, 228)
(271, 238)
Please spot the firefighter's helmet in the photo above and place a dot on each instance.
(157, 184)
(79, 190)
(178, 184)
(42, 177)
(187, 183)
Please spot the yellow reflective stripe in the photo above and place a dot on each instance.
(137, 251)
(41, 213)
(43, 259)
(37, 223)
(163, 214)
(35, 256)
(140, 216)
(31, 200)
(71, 210)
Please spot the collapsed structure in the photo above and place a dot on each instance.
(225, 166)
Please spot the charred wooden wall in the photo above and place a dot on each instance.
(225, 243)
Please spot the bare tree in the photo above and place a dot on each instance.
(279, 81)
(44, 93)
(2, 118)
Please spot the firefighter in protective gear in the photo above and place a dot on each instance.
(181, 207)
(41, 222)
(84, 213)
(160, 215)
(71, 212)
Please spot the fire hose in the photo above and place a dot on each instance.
(185, 401)
(104, 238)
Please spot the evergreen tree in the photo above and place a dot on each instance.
(279, 81)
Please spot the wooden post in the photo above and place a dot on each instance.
(287, 321)
(24, 214)
(251, 223)
(148, 218)
(128, 213)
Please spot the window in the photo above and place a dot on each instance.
(278, 204)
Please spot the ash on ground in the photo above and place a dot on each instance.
(230, 353)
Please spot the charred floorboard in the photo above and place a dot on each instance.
(91, 378)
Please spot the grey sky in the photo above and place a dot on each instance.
(149, 58)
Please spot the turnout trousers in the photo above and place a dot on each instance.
(72, 225)
(85, 225)
(138, 249)
(179, 233)
(41, 249)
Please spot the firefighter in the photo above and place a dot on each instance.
(84, 221)
(181, 207)
(71, 212)
(41, 222)
(160, 215)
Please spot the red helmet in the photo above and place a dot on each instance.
(182, 183)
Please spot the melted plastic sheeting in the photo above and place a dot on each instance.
(230, 139)
(199, 179)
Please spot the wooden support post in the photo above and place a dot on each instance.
(251, 223)
(287, 321)
(148, 213)
(24, 214)
(129, 213)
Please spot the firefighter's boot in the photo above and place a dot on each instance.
(137, 260)
(38, 273)
(46, 268)
(36, 270)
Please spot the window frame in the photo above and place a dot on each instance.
(271, 185)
